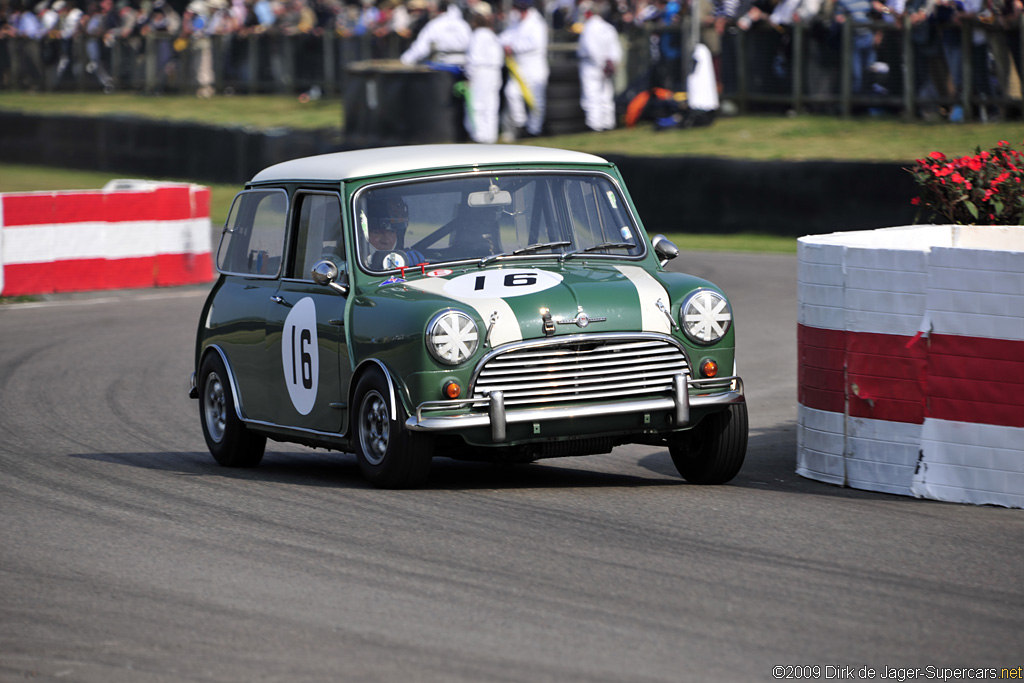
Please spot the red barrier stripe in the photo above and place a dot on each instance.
(976, 380)
(96, 274)
(976, 412)
(161, 204)
(885, 379)
(820, 368)
(947, 377)
(200, 202)
(183, 269)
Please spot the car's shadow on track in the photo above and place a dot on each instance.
(340, 470)
(770, 466)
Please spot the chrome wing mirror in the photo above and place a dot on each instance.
(665, 250)
(326, 274)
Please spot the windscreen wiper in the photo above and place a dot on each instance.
(595, 247)
(525, 250)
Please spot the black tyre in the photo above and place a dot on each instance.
(389, 455)
(231, 444)
(713, 451)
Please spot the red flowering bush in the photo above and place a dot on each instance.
(987, 188)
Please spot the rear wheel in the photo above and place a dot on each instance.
(713, 451)
(389, 455)
(231, 444)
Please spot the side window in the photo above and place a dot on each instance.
(253, 239)
(318, 234)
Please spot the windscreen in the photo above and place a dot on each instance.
(567, 215)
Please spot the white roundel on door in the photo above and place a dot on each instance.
(300, 356)
(501, 283)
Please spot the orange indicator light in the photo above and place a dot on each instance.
(709, 368)
(452, 390)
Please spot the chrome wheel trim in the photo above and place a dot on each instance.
(215, 407)
(374, 428)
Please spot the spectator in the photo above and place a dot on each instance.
(1009, 52)
(959, 12)
(599, 56)
(725, 12)
(670, 45)
(858, 12)
(7, 34)
(68, 21)
(97, 20)
(563, 13)
(369, 17)
(419, 15)
(484, 60)
(929, 70)
(30, 32)
(444, 39)
(263, 11)
(526, 41)
(195, 27)
(399, 20)
(947, 13)
(767, 49)
(163, 22)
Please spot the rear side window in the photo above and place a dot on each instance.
(253, 241)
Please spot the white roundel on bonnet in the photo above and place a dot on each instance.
(501, 283)
(300, 355)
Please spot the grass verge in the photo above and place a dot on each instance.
(252, 111)
(769, 137)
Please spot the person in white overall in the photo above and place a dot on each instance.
(484, 60)
(599, 53)
(526, 41)
(444, 39)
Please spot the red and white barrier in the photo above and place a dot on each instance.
(154, 234)
(911, 362)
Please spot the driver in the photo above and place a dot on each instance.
(386, 218)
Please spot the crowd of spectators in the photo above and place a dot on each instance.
(56, 41)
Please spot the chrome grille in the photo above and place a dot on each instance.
(586, 369)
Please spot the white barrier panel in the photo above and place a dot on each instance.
(155, 234)
(911, 361)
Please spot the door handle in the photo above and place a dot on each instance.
(278, 300)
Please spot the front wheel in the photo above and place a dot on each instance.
(231, 444)
(713, 451)
(389, 455)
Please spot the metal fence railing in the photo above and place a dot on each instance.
(972, 65)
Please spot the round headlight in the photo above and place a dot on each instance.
(706, 316)
(452, 337)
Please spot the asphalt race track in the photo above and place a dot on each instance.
(126, 554)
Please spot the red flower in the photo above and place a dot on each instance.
(956, 200)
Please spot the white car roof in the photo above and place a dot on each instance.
(384, 160)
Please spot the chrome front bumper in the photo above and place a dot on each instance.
(727, 390)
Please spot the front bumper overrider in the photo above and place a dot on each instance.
(708, 393)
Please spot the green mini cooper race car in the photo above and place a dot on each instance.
(465, 301)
